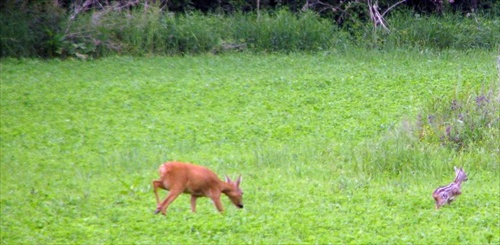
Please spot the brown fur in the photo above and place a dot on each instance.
(199, 181)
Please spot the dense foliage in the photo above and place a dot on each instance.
(88, 29)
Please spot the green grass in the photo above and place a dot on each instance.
(310, 133)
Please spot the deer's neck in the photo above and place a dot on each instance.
(457, 182)
(226, 187)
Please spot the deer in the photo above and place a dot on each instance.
(446, 194)
(199, 181)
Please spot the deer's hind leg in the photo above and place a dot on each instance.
(172, 195)
(157, 184)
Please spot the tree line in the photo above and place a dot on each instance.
(324, 7)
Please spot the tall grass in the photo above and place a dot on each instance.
(460, 128)
(151, 31)
(285, 31)
(450, 31)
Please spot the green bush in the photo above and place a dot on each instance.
(31, 31)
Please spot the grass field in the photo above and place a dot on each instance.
(82, 141)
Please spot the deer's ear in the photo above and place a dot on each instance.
(228, 180)
(238, 181)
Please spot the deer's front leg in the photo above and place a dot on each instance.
(217, 202)
(193, 203)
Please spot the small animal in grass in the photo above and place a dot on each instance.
(446, 194)
(199, 181)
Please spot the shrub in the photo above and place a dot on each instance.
(463, 120)
(33, 30)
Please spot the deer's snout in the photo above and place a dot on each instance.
(239, 205)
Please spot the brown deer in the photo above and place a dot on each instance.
(199, 181)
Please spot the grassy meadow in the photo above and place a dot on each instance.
(330, 146)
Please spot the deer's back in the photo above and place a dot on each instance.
(193, 179)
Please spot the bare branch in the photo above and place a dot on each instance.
(391, 7)
(375, 15)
